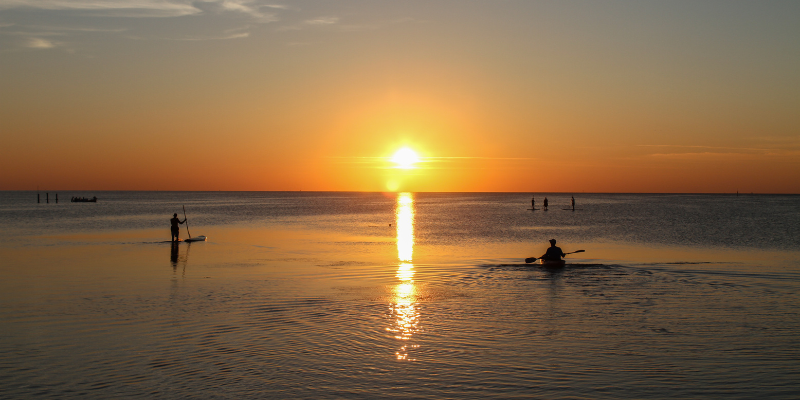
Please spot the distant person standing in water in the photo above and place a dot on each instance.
(553, 253)
(545, 203)
(573, 203)
(176, 230)
(533, 203)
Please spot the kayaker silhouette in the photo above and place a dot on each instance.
(176, 230)
(553, 253)
(545, 203)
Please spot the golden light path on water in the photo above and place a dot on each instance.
(404, 308)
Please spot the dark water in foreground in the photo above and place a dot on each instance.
(308, 295)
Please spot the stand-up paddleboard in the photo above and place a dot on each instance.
(200, 238)
(572, 209)
(534, 209)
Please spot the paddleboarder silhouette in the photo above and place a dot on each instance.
(175, 228)
(545, 203)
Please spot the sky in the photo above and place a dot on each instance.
(513, 96)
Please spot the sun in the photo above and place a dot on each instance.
(405, 158)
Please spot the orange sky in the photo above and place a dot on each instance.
(510, 96)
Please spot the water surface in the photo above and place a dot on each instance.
(300, 295)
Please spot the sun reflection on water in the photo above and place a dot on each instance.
(405, 227)
(404, 307)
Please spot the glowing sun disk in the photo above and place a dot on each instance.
(405, 158)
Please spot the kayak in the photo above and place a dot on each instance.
(552, 263)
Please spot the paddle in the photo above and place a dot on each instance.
(187, 222)
(532, 259)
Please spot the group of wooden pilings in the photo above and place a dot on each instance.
(47, 198)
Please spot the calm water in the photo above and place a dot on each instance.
(369, 295)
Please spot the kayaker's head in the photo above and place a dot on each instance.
(175, 215)
(552, 242)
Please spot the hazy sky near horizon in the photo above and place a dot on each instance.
(571, 96)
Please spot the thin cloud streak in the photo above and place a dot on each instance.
(701, 147)
(336, 23)
(247, 7)
(424, 162)
(39, 43)
(712, 155)
(79, 29)
(146, 8)
(723, 153)
(224, 37)
(440, 158)
(121, 8)
(323, 21)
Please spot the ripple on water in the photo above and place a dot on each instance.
(482, 330)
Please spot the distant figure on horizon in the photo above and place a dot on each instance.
(553, 253)
(533, 203)
(545, 203)
(176, 230)
(573, 203)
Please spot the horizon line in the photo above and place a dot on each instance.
(379, 191)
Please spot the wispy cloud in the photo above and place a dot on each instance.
(79, 29)
(693, 152)
(427, 162)
(712, 156)
(333, 22)
(703, 147)
(784, 142)
(322, 21)
(250, 8)
(277, 6)
(253, 11)
(227, 35)
(40, 36)
(311, 23)
(423, 159)
(39, 43)
(481, 158)
(705, 155)
(148, 8)
(41, 30)
(118, 8)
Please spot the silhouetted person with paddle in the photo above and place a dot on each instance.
(176, 230)
(545, 203)
(553, 253)
(573, 203)
(533, 203)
